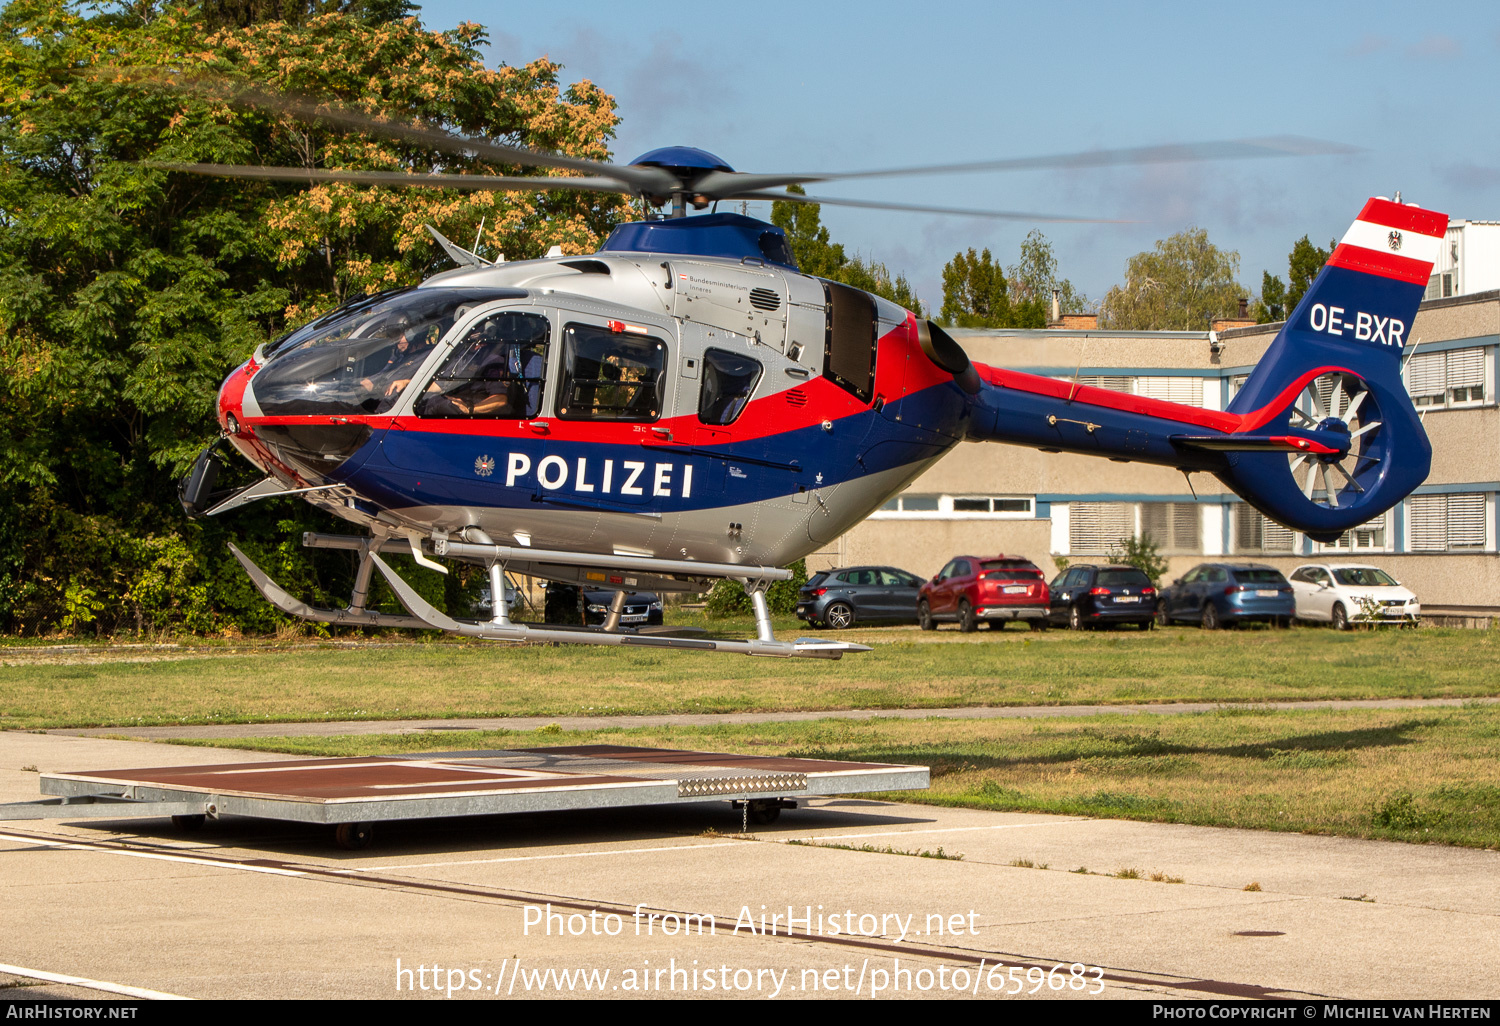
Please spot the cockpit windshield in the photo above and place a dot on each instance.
(361, 361)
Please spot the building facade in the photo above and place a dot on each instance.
(984, 498)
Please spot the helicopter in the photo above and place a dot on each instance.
(685, 405)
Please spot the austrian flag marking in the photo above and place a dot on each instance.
(1392, 240)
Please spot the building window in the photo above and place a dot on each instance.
(1254, 532)
(1095, 528)
(1168, 388)
(1113, 382)
(928, 506)
(1370, 536)
(1447, 523)
(1454, 378)
(991, 504)
(1187, 391)
(1439, 286)
(1174, 526)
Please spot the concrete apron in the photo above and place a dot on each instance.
(249, 908)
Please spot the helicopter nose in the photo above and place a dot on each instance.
(232, 398)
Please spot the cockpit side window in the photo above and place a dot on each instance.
(610, 375)
(729, 380)
(496, 370)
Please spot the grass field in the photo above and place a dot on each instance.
(1432, 775)
(224, 683)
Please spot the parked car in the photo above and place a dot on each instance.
(995, 590)
(1087, 595)
(641, 607)
(484, 606)
(1223, 594)
(843, 597)
(1345, 593)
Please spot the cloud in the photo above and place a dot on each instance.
(1436, 47)
(1471, 176)
(1368, 43)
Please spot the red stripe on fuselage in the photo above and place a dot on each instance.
(1159, 409)
(901, 369)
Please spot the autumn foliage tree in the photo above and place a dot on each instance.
(127, 291)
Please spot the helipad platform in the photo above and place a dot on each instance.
(369, 790)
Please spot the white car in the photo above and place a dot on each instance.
(1345, 593)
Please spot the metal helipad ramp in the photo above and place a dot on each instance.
(353, 794)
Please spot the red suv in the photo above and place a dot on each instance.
(994, 589)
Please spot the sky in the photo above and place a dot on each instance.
(839, 87)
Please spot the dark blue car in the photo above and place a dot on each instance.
(1223, 594)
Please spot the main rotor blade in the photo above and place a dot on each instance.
(1003, 215)
(1177, 153)
(481, 183)
(637, 179)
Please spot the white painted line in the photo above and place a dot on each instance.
(935, 830)
(79, 981)
(534, 858)
(100, 849)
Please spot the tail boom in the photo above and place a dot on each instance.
(1322, 437)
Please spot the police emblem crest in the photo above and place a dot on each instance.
(484, 466)
(1394, 239)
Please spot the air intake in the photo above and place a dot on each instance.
(796, 397)
(764, 299)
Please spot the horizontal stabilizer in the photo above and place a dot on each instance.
(1252, 443)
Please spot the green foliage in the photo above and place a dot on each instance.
(1034, 277)
(1302, 265)
(127, 292)
(728, 598)
(821, 257)
(1272, 303)
(1141, 553)
(1182, 285)
(1398, 812)
(977, 295)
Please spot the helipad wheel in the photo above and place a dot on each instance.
(763, 812)
(354, 836)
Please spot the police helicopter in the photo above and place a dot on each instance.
(685, 405)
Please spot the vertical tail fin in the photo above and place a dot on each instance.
(1333, 375)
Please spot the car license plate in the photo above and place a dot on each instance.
(1015, 589)
(1127, 598)
(1267, 593)
(637, 618)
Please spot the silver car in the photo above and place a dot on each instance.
(1347, 593)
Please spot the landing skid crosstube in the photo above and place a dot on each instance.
(647, 573)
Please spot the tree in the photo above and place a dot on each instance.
(1272, 303)
(807, 236)
(976, 294)
(1034, 277)
(1141, 553)
(1182, 285)
(128, 291)
(820, 257)
(1302, 265)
